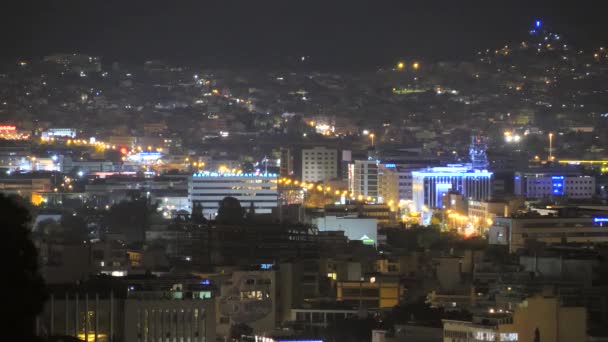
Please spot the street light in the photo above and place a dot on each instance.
(372, 135)
(400, 66)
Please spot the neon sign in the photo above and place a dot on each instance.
(8, 128)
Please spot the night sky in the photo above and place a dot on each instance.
(333, 33)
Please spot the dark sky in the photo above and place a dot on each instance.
(267, 32)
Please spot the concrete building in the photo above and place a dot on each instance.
(374, 293)
(286, 166)
(209, 188)
(514, 232)
(388, 185)
(534, 319)
(320, 318)
(363, 178)
(380, 212)
(140, 316)
(354, 228)
(483, 213)
(248, 297)
(554, 183)
(86, 166)
(319, 164)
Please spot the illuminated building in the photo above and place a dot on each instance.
(381, 292)
(183, 312)
(319, 164)
(483, 213)
(363, 178)
(536, 318)
(209, 188)
(429, 185)
(405, 161)
(388, 185)
(10, 132)
(554, 182)
(380, 212)
(59, 133)
(515, 231)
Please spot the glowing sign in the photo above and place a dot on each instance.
(367, 241)
(390, 165)
(600, 219)
(205, 282)
(266, 266)
(538, 24)
(557, 185)
(247, 175)
(8, 128)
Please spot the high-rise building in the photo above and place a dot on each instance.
(388, 185)
(319, 164)
(209, 188)
(363, 178)
(286, 168)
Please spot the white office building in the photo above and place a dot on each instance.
(319, 164)
(209, 188)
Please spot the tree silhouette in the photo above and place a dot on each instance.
(230, 211)
(25, 291)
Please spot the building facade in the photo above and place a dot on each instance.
(363, 178)
(548, 183)
(209, 188)
(534, 319)
(515, 231)
(354, 228)
(429, 185)
(319, 164)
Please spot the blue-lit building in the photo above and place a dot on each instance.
(209, 188)
(550, 182)
(429, 185)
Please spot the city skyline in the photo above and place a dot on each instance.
(338, 35)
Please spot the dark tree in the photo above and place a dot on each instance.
(197, 212)
(74, 228)
(24, 291)
(250, 212)
(130, 218)
(230, 211)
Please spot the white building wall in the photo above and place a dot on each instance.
(319, 164)
(210, 188)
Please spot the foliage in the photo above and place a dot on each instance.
(24, 293)
(230, 211)
(131, 218)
